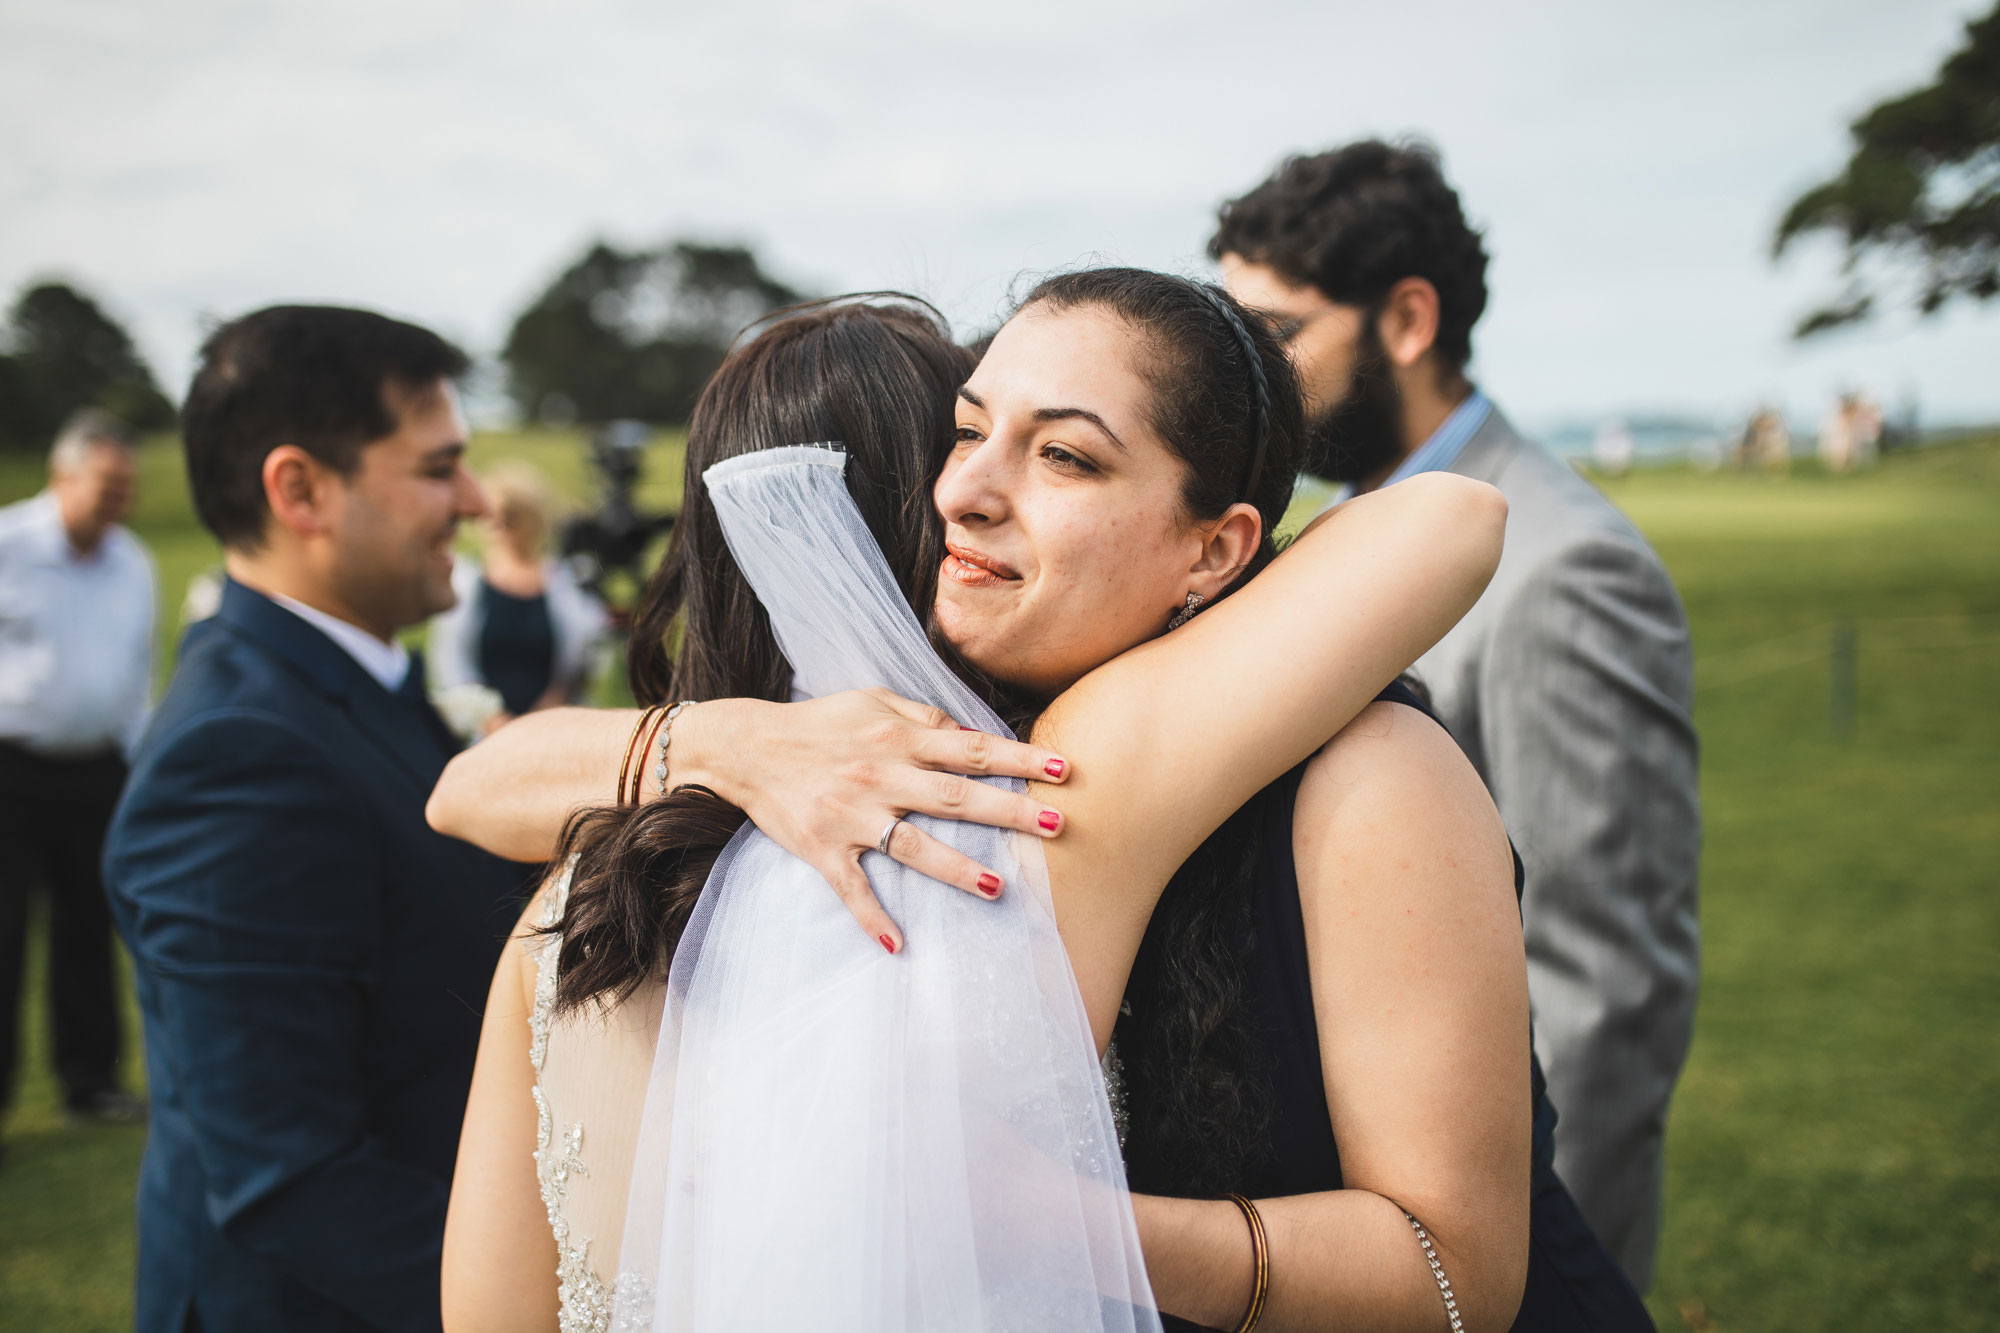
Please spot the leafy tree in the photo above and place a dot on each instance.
(65, 353)
(1922, 187)
(635, 333)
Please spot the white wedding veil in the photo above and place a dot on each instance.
(839, 1139)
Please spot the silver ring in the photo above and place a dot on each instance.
(882, 843)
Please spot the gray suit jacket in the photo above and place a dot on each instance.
(1570, 685)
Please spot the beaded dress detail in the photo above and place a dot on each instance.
(589, 1064)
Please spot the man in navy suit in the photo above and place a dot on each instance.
(311, 957)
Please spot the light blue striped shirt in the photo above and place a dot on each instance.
(1436, 454)
(1448, 441)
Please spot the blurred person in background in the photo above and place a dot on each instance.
(76, 670)
(1836, 435)
(1851, 434)
(523, 627)
(1865, 416)
(308, 954)
(1767, 441)
(1570, 684)
(1612, 448)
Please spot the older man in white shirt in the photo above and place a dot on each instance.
(77, 602)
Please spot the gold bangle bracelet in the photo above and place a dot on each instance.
(631, 747)
(1260, 1249)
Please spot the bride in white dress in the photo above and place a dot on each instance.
(797, 1128)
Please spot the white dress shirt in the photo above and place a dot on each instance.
(387, 662)
(76, 636)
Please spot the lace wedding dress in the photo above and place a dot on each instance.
(591, 1069)
(830, 1137)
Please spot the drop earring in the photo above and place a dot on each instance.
(1186, 613)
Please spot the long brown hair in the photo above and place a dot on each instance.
(876, 374)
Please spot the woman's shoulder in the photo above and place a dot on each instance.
(1395, 736)
(1393, 784)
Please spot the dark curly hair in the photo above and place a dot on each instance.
(1354, 222)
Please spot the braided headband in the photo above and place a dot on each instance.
(1260, 391)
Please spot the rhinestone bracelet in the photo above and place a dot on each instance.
(666, 736)
(1437, 1271)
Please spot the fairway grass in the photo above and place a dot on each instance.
(1833, 1154)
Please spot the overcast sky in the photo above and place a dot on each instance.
(184, 159)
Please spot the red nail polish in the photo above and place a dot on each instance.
(1049, 820)
(887, 943)
(989, 885)
(1054, 768)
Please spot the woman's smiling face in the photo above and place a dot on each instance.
(1068, 540)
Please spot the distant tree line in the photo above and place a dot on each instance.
(635, 333)
(619, 334)
(59, 351)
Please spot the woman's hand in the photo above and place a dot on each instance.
(824, 779)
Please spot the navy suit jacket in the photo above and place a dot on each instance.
(311, 961)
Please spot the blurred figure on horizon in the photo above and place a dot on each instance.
(76, 673)
(1766, 442)
(1570, 684)
(1867, 422)
(1836, 436)
(1851, 433)
(522, 627)
(1612, 448)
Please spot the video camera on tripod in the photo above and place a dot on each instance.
(614, 536)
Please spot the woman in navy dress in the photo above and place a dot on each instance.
(523, 627)
(1262, 1070)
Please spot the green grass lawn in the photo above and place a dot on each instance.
(1833, 1155)
(1834, 1151)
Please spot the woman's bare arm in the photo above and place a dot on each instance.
(499, 1254)
(512, 792)
(822, 778)
(1420, 987)
(1171, 738)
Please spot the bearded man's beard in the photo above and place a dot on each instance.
(1360, 436)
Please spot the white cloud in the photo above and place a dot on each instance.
(443, 159)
